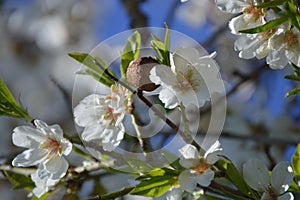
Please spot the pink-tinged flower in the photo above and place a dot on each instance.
(46, 149)
(275, 186)
(102, 117)
(198, 167)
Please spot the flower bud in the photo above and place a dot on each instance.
(138, 72)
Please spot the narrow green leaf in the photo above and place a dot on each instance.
(292, 77)
(293, 14)
(167, 38)
(166, 172)
(96, 76)
(270, 4)
(130, 52)
(9, 106)
(154, 187)
(19, 181)
(162, 48)
(296, 163)
(155, 183)
(267, 26)
(94, 70)
(293, 92)
(234, 176)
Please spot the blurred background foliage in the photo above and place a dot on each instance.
(37, 35)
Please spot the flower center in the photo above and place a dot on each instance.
(52, 145)
(291, 40)
(201, 167)
(185, 81)
(255, 12)
(272, 194)
(110, 115)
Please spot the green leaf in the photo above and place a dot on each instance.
(267, 26)
(293, 92)
(292, 77)
(296, 163)
(234, 176)
(270, 4)
(130, 52)
(162, 48)
(9, 106)
(155, 183)
(94, 70)
(293, 14)
(19, 181)
(167, 38)
(119, 193)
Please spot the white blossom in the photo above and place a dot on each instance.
(42, 185)
(102, 116)
(255, 45)
(198, 167)
(251, 17)
(187, 80)
(46, 149)
(285, 47)
(257, 177)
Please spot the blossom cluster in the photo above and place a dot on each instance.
(102, 116)
(279, 44)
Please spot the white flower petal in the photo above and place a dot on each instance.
(56, 130)
(206, 177)
(188, 181)
(281, 177)
(213, 148)
(89, 110)
(232, 6)
(40, 124)
(57, 166)
(28, 137)
(169, 98)
(42, 185)
(277, 59)
(286, 196)
(189, 156)
(66, 146)
(30, 157)
(93, 132)
(247, 45)
(112, 138)
(182, 57)
(256, 174)
(243, 22)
